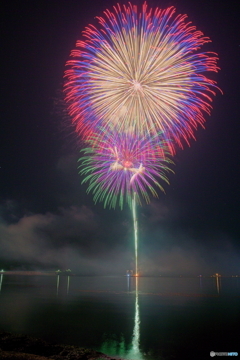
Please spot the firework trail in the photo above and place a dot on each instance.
(135, 226)
(142, 72)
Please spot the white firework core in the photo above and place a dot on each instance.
(137, 86)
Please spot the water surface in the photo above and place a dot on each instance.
(143, 318)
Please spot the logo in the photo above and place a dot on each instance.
(213, 353)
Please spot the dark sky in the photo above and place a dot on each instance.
(46, 218)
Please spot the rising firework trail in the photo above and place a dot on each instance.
(135, 226)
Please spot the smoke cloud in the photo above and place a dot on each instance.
(78, 238)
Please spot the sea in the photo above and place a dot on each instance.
(137, 318)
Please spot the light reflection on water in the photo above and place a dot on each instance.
(1, 279)
(114, 347)
(136, 330)
(127, 317)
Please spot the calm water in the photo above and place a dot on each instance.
(145, 318)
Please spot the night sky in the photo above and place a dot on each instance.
(46, 218)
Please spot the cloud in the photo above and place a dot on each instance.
(68, 238)
(37, 237)
(77, 237)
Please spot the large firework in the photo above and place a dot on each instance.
(141, 71)
(137, 88)
(123, 166)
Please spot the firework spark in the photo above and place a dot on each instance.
(142, 72)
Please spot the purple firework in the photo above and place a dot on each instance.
(117, 165)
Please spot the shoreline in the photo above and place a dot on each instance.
(24, 347)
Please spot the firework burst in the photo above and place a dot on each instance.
(119, 165)
(142, 72)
